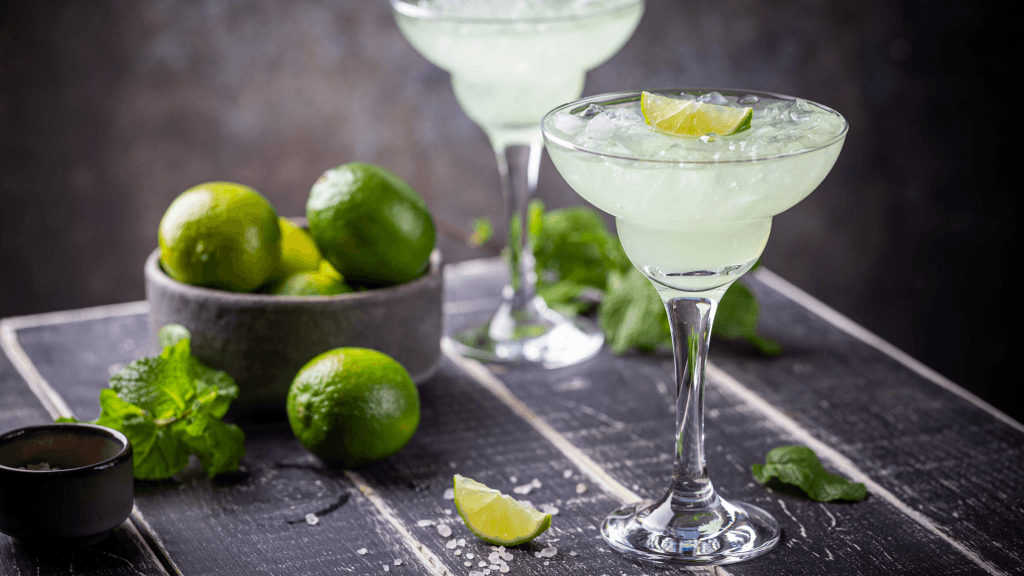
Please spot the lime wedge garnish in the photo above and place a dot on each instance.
(497, 518)
(691, 118)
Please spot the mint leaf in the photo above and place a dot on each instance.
(575, 246)
(170, 406)
(737, 318)
(579, 261)
(157, 452)
(799, 466)
(219, 446)
(632, 314)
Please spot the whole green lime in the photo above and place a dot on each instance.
(370, 225)
(222, 235)
(298, 251)
(309, 284)
(353, 406)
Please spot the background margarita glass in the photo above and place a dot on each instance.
(510, 62)
(693, 214)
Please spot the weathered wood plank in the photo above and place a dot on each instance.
(250, 520)
(121, 553)
(617, 397)
(942, 455)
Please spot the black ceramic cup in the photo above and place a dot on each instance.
(86, 492)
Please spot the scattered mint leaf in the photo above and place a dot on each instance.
(632, 314)
(170, 406)
(799, 466)
(574, 246)
(737, 318)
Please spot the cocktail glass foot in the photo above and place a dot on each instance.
(531, 333)
(660, 533)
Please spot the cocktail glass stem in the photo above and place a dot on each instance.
(690, 524)
(524, 329)
(690, 320)
(518, 167)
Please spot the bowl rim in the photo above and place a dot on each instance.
(154, 273)
(123, 455)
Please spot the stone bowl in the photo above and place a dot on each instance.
(74, 506)
(263, 340)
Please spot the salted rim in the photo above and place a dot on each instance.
(613, 98)
(406, 8)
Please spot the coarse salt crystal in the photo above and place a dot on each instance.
(548, 552)
(462, 541)
(567, 474)
(504, 569)
(423, 523)
(311, 519)
(535, 483)
(506, 556)
(581, 488)
(451, 544)
(573, 553)
(482, 564)
(361, 551)
(524, 489)
(467, 564)
(513, 479)
(457, 551)
(387, 568)
(444, 530)
(449, 494)
(469, 555)
(398, 562)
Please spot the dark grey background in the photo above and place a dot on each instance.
(109, 109)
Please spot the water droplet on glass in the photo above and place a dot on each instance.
(748, 99)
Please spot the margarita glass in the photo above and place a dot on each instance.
(693, 215)
(510, 62)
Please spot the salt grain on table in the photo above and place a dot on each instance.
(451, 544)
(361, 551)
(524, 489)
(548, 552)
(423, 523)
(444, 530)
(567, 474)
(535, 483)
(398, 562)
(449, 494)
(387, 568)
(581, 488)
(311, 519)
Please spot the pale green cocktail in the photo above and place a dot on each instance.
(693, 215)
(510, 62)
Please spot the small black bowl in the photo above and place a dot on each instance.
(77, 504)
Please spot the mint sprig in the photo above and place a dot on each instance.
(170, 406)
(799, 466)
(580, 263)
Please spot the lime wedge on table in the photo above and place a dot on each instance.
(497, 518)
(691, 118)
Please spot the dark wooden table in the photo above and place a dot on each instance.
(943, 468)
